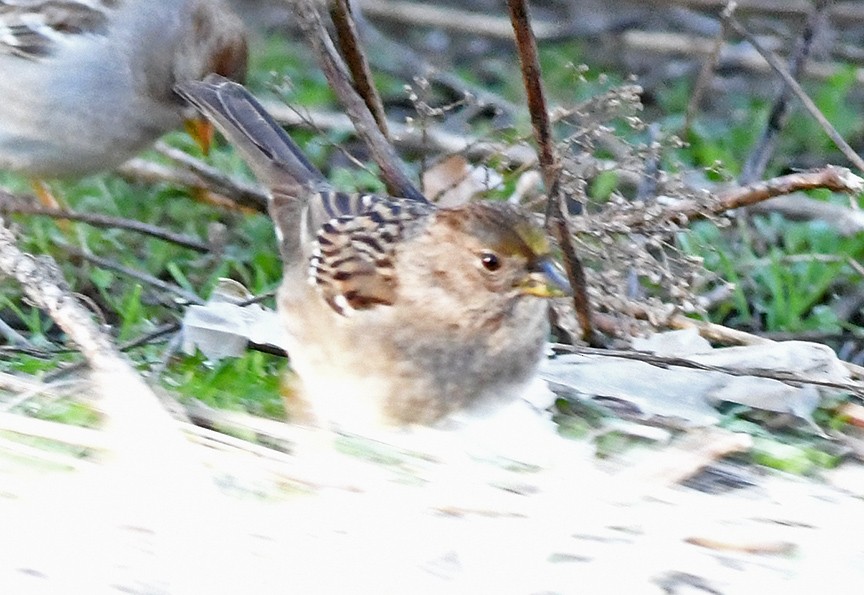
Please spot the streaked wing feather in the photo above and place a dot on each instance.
(353, 262)
(33, 30)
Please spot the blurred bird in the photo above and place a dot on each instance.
(87, 84)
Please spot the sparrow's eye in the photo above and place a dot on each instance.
(490, 261)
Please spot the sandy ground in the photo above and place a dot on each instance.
(237, 523)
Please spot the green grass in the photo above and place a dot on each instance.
(787, 275)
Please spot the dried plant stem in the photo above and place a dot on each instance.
(550, 166)
(334, 68)
(138, 275)
(793, 85)
(432, 139)
(17, 204)
(529, 60)
(244, 195)
(143, 171)
(757, 161)
(352, 50)
(836, 179)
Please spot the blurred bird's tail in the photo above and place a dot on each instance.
(293, 183)
(276, 160)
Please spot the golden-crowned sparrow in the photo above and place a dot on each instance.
(86, 84)
(396, 312)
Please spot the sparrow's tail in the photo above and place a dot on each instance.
(276, 160)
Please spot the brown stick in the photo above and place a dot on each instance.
(550, 167)
(793, 85)
(837, 179)
(243, 194)
(352, 50)
(526, 46)
(145, 278)
(335, 70)
(16, 204)
(435, 139)
(757, 160)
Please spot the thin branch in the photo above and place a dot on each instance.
(20, 205)
(400, 60)
(792, 84)
(790, 377)
(245, 195)
(529, 60)
(352, 50)
(729, 336)
(137, 275)
(550, 166)
(165, 329)
(836, 179)
(578, 280)
(143, 171)
(161, 331)
(382, 152)
(757, 161)
(435, 139)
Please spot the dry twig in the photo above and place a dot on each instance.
(757, 160)
(836, 179)
(335, 70)
(145, 278)
(434, 139)
(793, 85)
(243, 194)
(355, 58)
(17, 204)
(549, 163)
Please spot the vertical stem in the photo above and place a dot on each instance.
(556, 222)
(355, 58)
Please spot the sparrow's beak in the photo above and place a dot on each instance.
(201, 131)
(546, 279)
